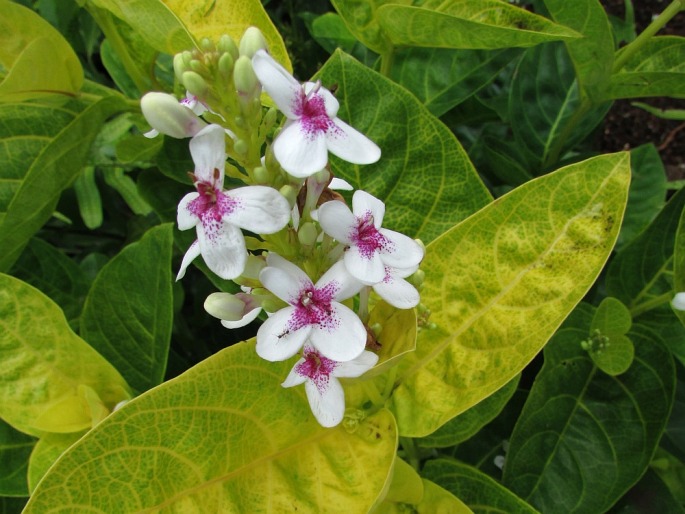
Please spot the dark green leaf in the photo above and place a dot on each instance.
(649, 496)
(15, 449)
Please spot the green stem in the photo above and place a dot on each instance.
(412, 455)
(372, 391)
(650, 304)
(387, 59)
(555, 150)
(104, 21)
(626, 53)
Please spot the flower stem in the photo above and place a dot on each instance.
(412, 455)
(386, 62)
(643, 307)
(363, 311)
(626, 53)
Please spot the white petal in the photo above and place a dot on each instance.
(184, 217)
(356, 367)
(330, 102)
(294, 378)
(336, 220)
(223, 248)
(338, 184)
(260, 209)
(678, 301)
(351, 145)
(299, 152)
(363, 203)
(369, 269)
(192, 252)
(275, 340)
(404, 252)
(277, 82)
(151, 133)
(165, 114)
(327, 401)
(345, 340)
(275, 260)
(284, 285)
(245, 320)
(208, 150)
(346, 285)
(397, 292)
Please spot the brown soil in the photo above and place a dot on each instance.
(626, 126)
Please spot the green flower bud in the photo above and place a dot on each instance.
(240, 147)
(261, 175)
(179, 67)
(199, 67)
(290, 194)
(227, 46)
(226, 65)
(418, 277)
(252, 40)
(307, 234)
(376, 328)
(207, 45)
(194, 83)
(244, 77)
(270, 117)
(187, 56)
(224, 306)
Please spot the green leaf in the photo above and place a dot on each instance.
(128, 314)
(42, 171)
(608, 346)
(477, 490)
(424, 176)
(666, 114)
(361, 19)
(12, 505)
(46, 452)
(437, 500)
(593, 54)
(648, 496)
(46, 368)
(397, 337)
(647, 192)
(223, 436)
(88, 198)
(15, 449)
(500, 283)
(47, 268)
(673, 440)
(444, 78)
(468, 423)
(406, 485)
(612, 317)
(543, 99)
(486, 24)
(38, 60)
(656, 69)
(584, 432)
(639, 275)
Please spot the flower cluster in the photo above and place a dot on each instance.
(316, 262)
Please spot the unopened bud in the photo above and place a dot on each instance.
(207, 45)
(252, 40)
(240, 147)
(244, 76)
(199, 67)
(261, 175)
(227, 46)
(224, 306)
(307, 234)
(226, 65)
(179, 67)
(194, 83)
(270, 118)
(166, 115)
(376, 328)
(290, 194)
(678, 301)
(418, 277)
(253, 266)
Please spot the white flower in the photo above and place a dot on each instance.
(219, 215)
(395, 290)
(678, 301)
(312, 129)
(169, 116)
(370, 248)
(234, 311)
(314, 313)
(320, 377)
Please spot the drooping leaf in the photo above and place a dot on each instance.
(593, 54)
(656, 69)
(223, 436)
(424, 175)
(584, 432)
(37, 58)
(468, 423)
(443, 78)
(41, 169)
(15, 449)
(544, 97)
(46, 368)
(127, 316)
(500, 283)
(480, 492)
(48, 269)
(486, 24)
(647, 192)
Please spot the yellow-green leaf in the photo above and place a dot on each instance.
(397, 336)
(38, 60)
(46, 369)
(46, 451)
(223, 437)
(502, 281)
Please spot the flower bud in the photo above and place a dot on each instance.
(207, 45)
(163, 112)
(253, 266)
(244, 76)
(227, 46)
(289, 193)
(224, 306)
(376, 328)
(270, 118)
(308, 234)
(261, 175)
(179, 67)
(199, 67)
(226, 65)
(194, 83)
(240, 147)
(678, 301)
(252, 40)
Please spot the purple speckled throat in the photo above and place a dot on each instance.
(316, 368)
(211, 206)
(313, 307)
(367, 238)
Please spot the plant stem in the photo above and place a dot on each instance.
(626, 53)
(386, 62)
(555, 150)
(643, 307)
(411, 452)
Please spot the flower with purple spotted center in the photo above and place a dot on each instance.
(315, 367)
(367, 237)
(311, 108)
